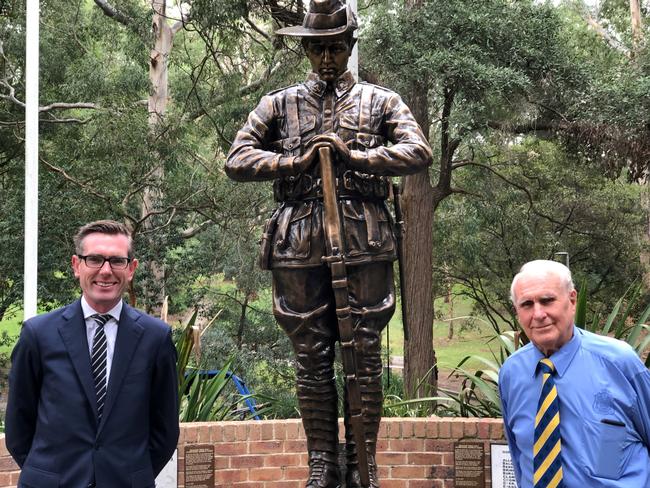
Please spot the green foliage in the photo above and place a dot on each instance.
(203, 398)
(459, 49)
(529, 200)
(621, 324)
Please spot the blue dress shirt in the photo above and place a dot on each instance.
(604, 392)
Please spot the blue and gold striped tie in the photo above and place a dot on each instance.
(548, 443)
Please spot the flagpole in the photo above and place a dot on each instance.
(353, 62)
(31, 159)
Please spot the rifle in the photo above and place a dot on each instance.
(399, 227)
(334, 258)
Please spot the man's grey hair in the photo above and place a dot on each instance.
(543, 267)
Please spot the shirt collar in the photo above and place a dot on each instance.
(562, 359)
(318, 87)
(88, 311)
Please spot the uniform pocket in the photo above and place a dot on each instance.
(287, 147)
(367, 232)
(294, 242)
(610, 451)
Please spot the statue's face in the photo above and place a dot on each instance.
(329, 55)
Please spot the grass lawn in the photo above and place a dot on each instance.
(473, 340)
(11, 324)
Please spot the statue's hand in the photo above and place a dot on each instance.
(334, 142)
(303, 162)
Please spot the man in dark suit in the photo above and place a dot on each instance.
(93, 395)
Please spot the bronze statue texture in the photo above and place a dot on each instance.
(371, 135)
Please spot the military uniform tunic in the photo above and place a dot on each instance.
(366, 117)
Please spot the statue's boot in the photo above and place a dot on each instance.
(313, 339)
(323, 470)
(369, 322)
(371, 399)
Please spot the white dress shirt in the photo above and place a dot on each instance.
(110, 329)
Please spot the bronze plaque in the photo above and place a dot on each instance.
(469, 464)
(199, 466)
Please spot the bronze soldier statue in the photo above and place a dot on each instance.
(324, 291)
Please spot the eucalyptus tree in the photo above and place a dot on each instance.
(133, 125)
(480, 64)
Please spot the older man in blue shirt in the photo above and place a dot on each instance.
(602, 387)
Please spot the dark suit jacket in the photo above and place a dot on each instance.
(51, 420)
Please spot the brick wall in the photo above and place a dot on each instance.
(412, 453)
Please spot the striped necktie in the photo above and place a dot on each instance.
(98, 361)
(547, 456)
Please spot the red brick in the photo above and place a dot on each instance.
(267, 432)
(246, 461)
(424, 458)
(241, 431)
(408, 472)
(496, 431)
(383, 429)
(220, 462)
(191, 435)
(203, 436)
(265, 474)
(283, 484)
(229, 432)
(255, 432)
(382, 445)
(420, 428)
(230, 476)
(265, 447)
(432, 429)
(216, 432)
(407, 445)
(483, 430)
(457, 430)
(231, 448)
(408, 428)
(391, 458)
(425, 484)
(438, 445)
(441, 472)
(444, 429)
(471, 428)
(282, 460)
(279, 431)
(5, 480)
(297, 473)
(394, 483)
(7, 464)
(295, 446)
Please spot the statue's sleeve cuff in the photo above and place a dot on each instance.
(359, 160)
(286, 165)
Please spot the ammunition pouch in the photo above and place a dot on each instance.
(351, 184)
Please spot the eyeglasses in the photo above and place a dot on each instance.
(97, 261)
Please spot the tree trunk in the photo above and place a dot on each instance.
(637, 29)
(157, 106)
(450, 301)
(242, 322)
(418, 207)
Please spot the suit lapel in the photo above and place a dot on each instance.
(126, 342)
(73, 333)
